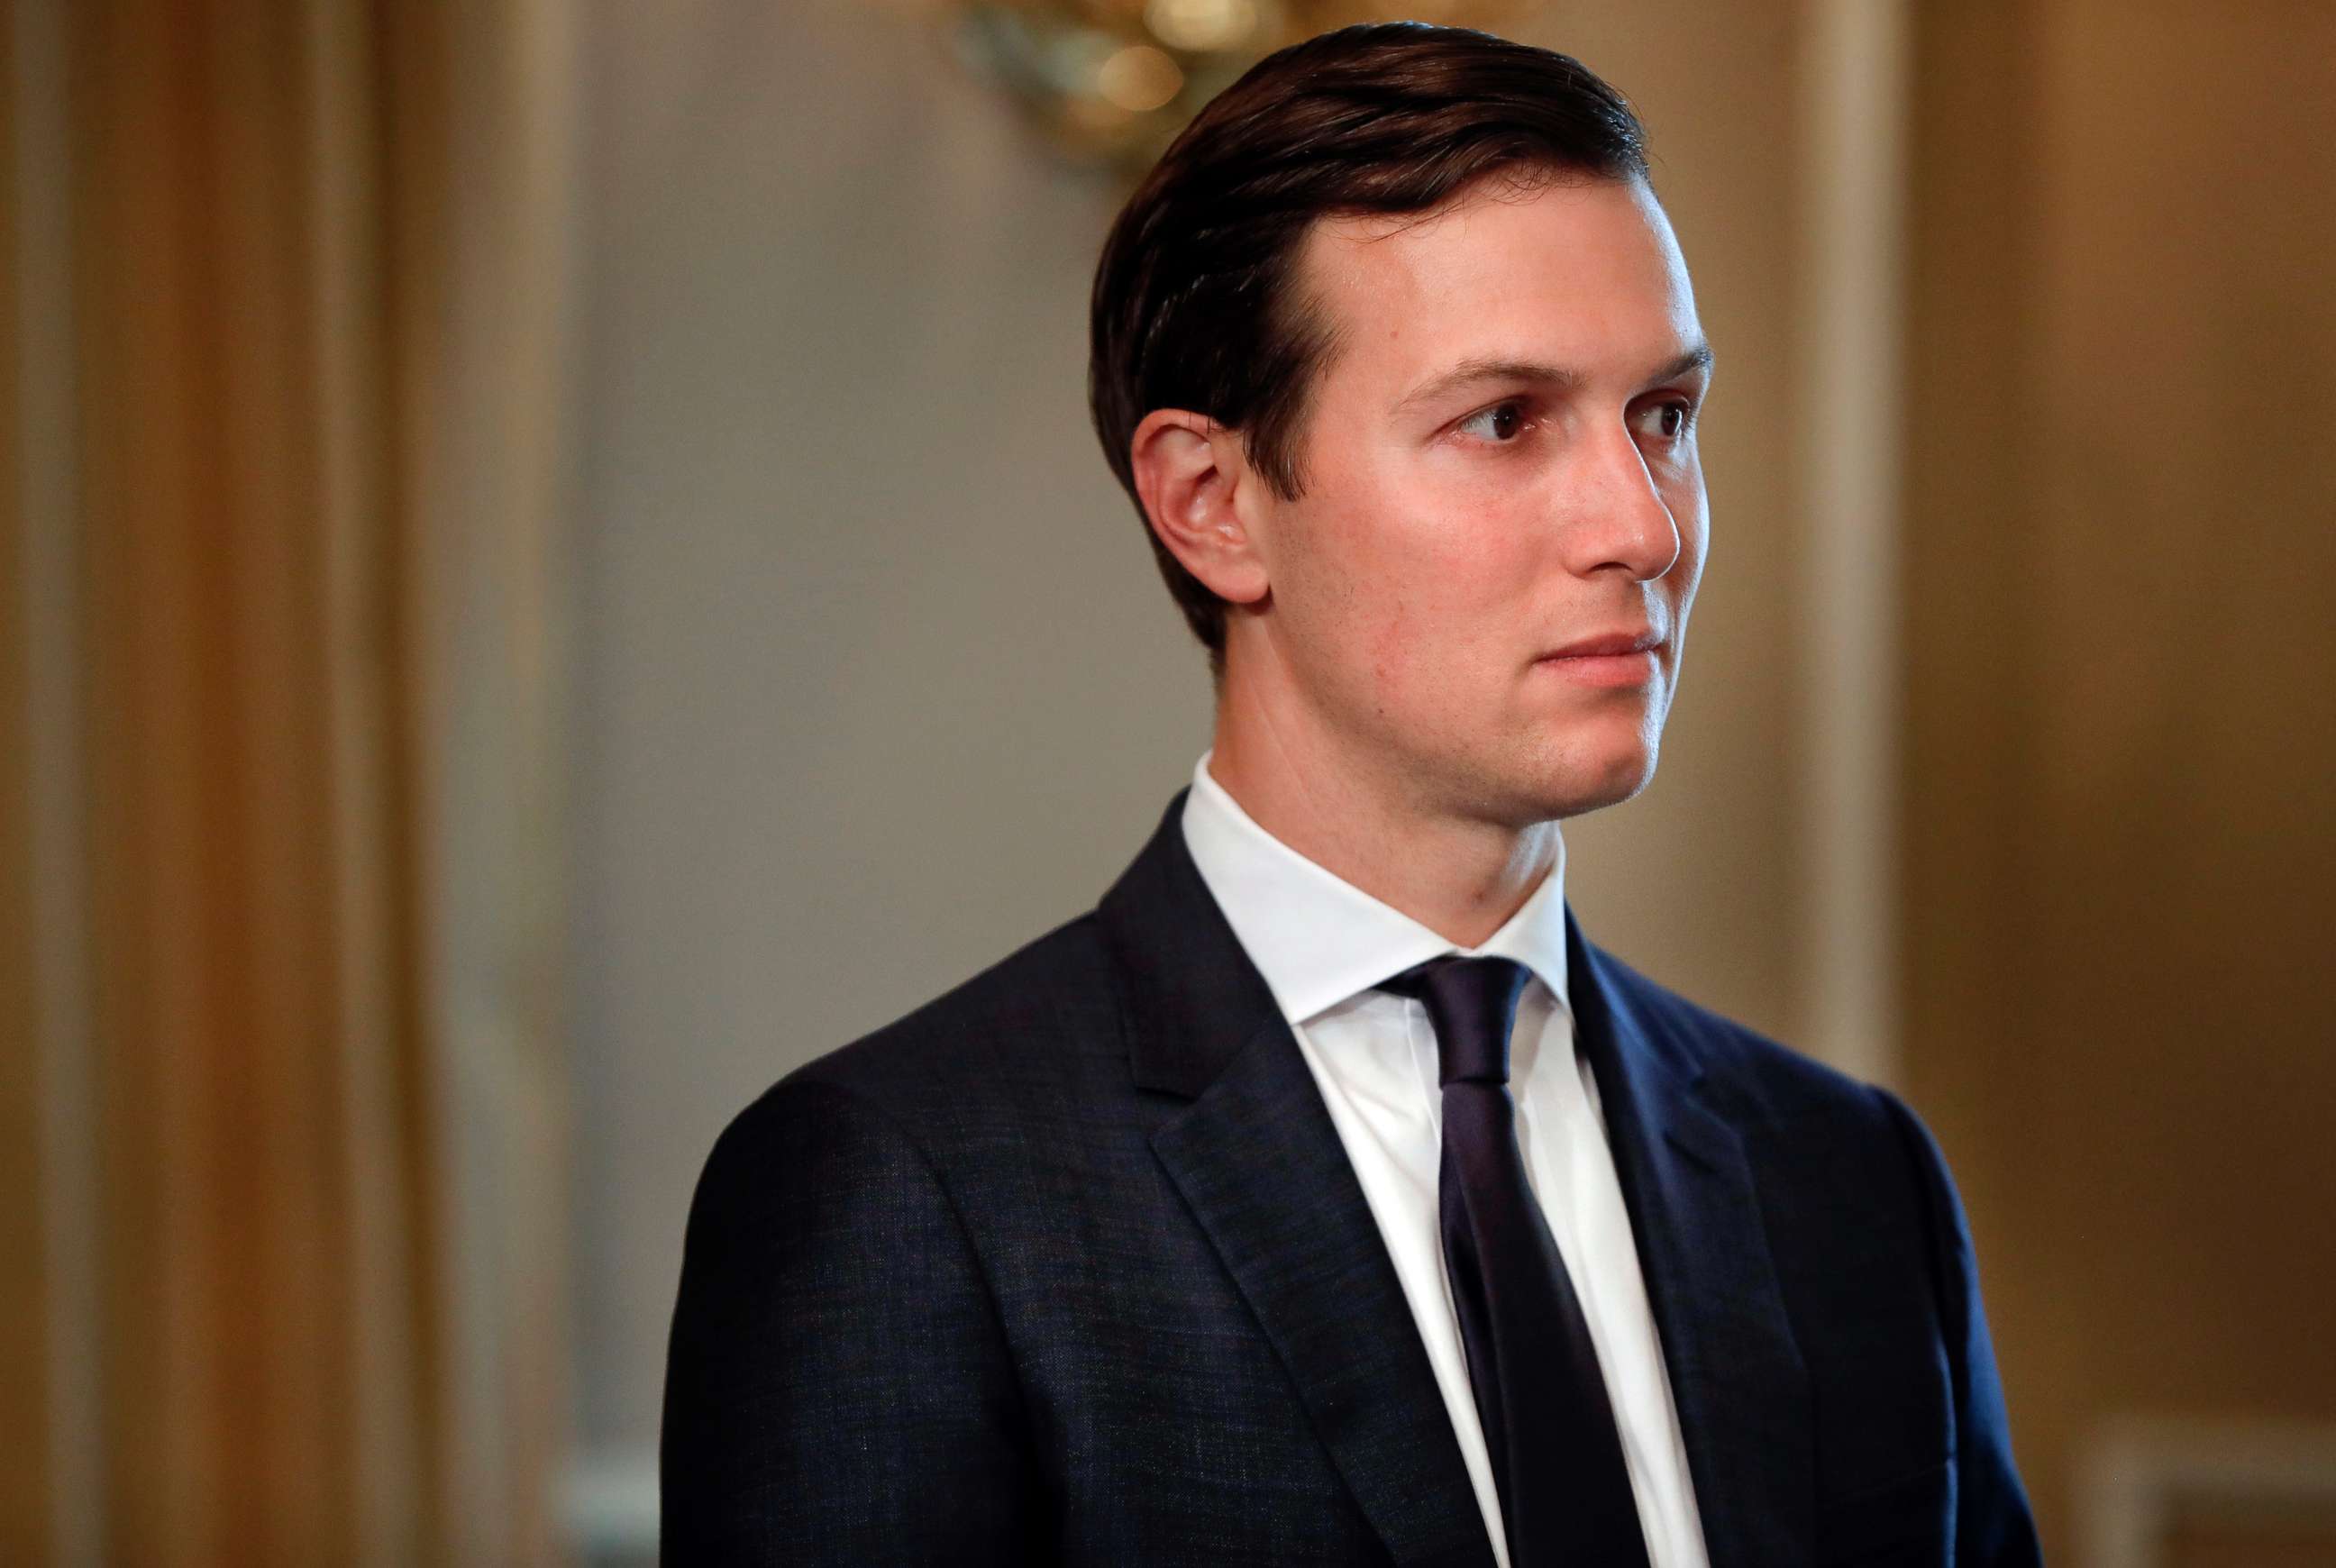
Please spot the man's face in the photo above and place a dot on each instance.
(1500, 464)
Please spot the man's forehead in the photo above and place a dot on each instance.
(1594, 268)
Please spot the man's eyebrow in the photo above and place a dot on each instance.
(1483, 368)
(1469, 372)
(1688, 364)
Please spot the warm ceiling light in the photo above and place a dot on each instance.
(1139, 79)
(1114, 81)
(1203, 26)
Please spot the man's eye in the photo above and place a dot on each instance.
(1502, 422)
(1671, 420)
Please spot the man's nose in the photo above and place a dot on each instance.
(1623, 521)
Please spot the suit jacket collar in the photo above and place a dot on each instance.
(1258, 1160)
(1192, 997)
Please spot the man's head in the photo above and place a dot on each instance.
(1396, 354)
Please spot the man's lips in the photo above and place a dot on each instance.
(1620, 659)
(1629, 640)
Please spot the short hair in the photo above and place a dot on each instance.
(1196, 304)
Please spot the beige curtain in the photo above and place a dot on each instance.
(277, 878)
(2120, 866)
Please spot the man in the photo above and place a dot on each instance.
(1324, 1195)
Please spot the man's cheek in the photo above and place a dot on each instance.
(1391, 650)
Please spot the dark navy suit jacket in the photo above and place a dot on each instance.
(1070, 1266)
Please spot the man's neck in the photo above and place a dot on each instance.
(1460, 878)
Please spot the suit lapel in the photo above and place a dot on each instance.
(1257, 1158)
(1736, 1373)
(1260, 1163)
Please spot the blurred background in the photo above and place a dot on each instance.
(515, 632)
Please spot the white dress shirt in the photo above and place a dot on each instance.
(1322, 944)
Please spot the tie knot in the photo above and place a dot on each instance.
(1472, 1002)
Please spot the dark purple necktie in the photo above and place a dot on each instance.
(1557, 1459)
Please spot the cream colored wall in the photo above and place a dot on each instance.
(874, 679)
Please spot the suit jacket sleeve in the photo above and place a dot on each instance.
(1993, 1527)
(838, 1388)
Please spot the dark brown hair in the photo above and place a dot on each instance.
(1195, 301)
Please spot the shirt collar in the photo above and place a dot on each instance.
(1319, 939)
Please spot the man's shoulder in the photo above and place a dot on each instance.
(1820, 1141)
(1034, 1024)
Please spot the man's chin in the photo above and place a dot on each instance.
(1576, 785)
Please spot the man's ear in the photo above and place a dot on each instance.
(1200, 497)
